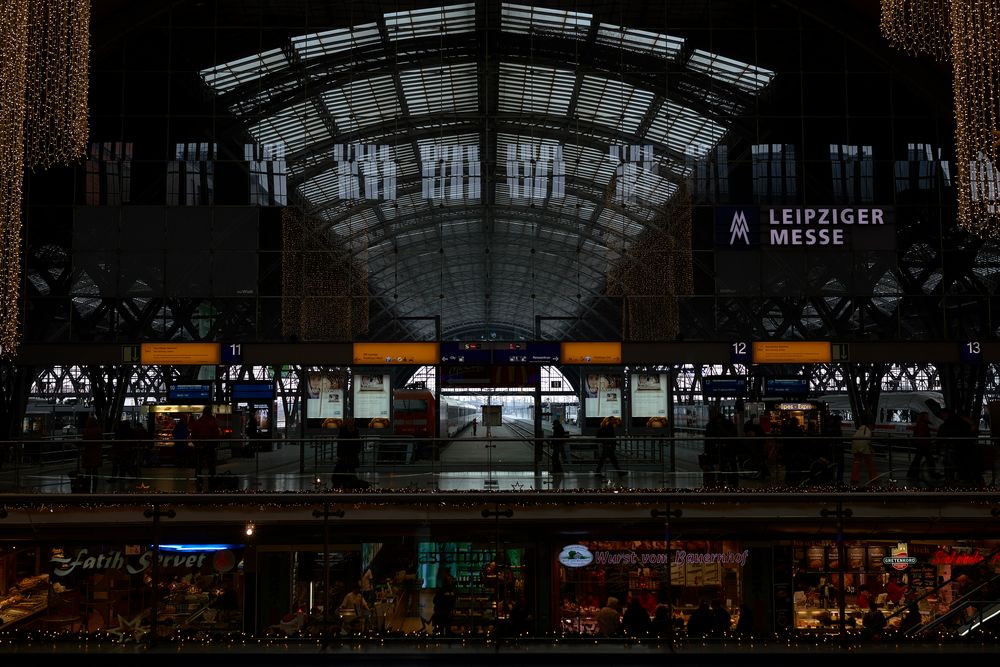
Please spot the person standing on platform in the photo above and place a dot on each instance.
(181, 433)
(558, 442)
(923, 449)
(863, 454)
(122, 450)
(475, 425)
(711, 448)
(205, 433)
(607, 441)
(91, 455)
(349, 446)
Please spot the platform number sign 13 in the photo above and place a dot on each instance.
(740, 353)
(971, 352)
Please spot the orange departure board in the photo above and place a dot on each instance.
(591, 353)
(181, 354)
(791, 352)
(396, 353)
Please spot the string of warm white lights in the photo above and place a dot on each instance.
(13, 50)
(56, 85)
(974, 59)
(654, 272)
(324, 289)
(918, 26)
(967, 33)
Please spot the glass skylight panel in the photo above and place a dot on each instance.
(527, 19)
(537, 90)
(617, 224)
(361, 221)
(742, 75)
(667, 47)
(678, 128)
(446, 89)
(335, 41)
(583, 162)
(294, 126)
(321, 188)
(227, 76)
(363, 102)
(651, 188)
(612, 103)
(431, 21)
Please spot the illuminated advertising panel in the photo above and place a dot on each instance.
(591, 353)
(649, 399)
(396, 353)
(791, 352)
(181, 354)
(324, 400)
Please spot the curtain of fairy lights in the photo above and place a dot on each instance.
(56, 84)
(13, 52)
(918, 26)
(44, 56)
(966, 32)
(974, 51)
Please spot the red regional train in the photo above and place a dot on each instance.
(415, 414)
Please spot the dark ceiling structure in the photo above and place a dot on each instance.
(503, 170)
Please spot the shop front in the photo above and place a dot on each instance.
(912, 583)
(665, 581)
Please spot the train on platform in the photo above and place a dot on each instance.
(897, 411)
(416, 414)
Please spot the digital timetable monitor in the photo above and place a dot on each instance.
(198, 392)
(252, 391)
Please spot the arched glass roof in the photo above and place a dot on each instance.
(487, 170)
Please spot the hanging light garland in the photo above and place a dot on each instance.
(44, 56)
(918, 26)
(13, 50)
(966, 32)
(975, 50)
(56, 85)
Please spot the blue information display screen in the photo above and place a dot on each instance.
(724, 386)
(198, 392)
(785, 387)
(252, 391)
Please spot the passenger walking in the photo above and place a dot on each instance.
(475, 425)
(863, 453)
(607, 441)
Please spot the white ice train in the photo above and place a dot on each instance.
(897, 411)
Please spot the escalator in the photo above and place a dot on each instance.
(967, 615)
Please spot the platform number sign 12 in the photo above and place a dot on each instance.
(740, 353)
(971, 352)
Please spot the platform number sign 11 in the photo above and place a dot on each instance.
(740, 353)
(232, 354)
(971, 352)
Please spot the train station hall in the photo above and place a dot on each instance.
(499, 331)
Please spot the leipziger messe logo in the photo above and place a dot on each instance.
(737, 227)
